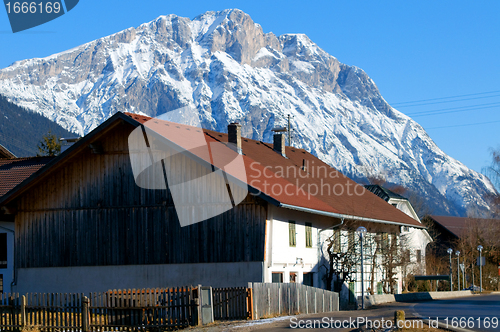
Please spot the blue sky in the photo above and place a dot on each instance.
(413, 50)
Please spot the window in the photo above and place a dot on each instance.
(292, 235)
(309, 239)
(3, 250)
(407, 257)
(1, 283)
(307, 279)
(277, 277)
(293, 277)
(419, 256)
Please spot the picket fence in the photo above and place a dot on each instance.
(123, 310)
(158, 309)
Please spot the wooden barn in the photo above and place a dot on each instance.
(82, 222)
(13, 171)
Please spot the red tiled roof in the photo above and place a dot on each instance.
(318, 187)
(459, 225)
(15, 171)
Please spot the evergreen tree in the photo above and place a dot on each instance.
(49, 145)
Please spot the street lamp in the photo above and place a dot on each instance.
(480, 248)
(458, 267)
(450, 251)
(464, 281)
(361, 233)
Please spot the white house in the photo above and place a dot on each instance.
(414, 240)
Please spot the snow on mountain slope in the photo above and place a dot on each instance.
(223, 64)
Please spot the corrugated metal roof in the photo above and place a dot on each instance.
(14, 171)
(316, 186)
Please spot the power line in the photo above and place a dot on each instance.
(464, 125)
(447, 101)
(455, 110)
(458, 96)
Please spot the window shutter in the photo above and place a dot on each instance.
(292, 234)
(309, 239)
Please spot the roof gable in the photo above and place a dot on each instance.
(5, 153)
(56, 162)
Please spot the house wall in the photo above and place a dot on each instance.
(283, 258)
(90, 212)
(8, 273)
(102, 278)
(414, 239)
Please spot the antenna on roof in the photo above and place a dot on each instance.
(289, 131)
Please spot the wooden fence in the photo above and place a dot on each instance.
(232, 303)
(155, 309)
(125, 310)
(277, 299)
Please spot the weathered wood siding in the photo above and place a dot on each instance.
(91, 212)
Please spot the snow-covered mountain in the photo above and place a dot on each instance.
(223, 64)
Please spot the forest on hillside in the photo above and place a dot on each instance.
(22, 130)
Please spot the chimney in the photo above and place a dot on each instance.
(234, 133)
(67, 142)
(279, 141)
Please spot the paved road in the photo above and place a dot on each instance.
(480, 309)
(476, 312)
(324, 322)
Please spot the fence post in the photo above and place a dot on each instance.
(85, 314)
(197, 307)
(23, 311)
(279, 300)
(250, 301)
(307, 304)
(198, 302)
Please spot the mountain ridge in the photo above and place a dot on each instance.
(224, 65)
